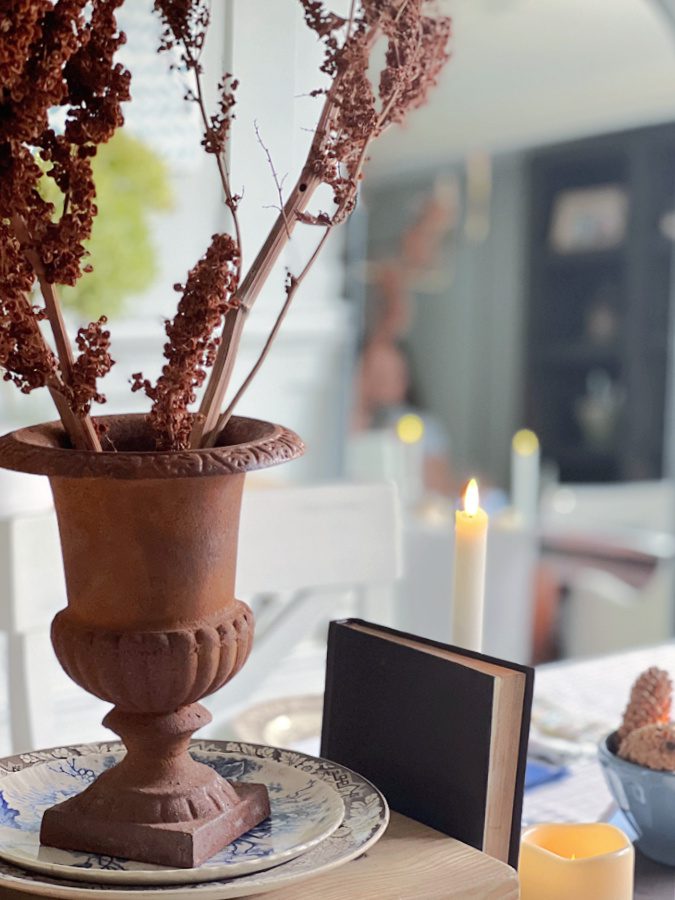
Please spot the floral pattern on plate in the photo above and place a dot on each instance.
(365, 820)
(305, 810)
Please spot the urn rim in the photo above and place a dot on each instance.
(244, 445)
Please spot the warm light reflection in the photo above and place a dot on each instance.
(525, 442)
(410, 429)
(471, 498)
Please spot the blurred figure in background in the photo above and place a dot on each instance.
(383, 391)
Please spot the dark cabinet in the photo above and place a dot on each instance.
(602, 226)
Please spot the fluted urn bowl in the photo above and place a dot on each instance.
(149, 542)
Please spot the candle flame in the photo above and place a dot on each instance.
(525, 442)
(410, 429)
(471, 498)
(573, 856)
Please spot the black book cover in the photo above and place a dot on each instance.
(418, 726)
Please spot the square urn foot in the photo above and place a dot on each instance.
(184, 845)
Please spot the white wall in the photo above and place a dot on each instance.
(527, 72)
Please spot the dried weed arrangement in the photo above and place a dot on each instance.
(61, 54)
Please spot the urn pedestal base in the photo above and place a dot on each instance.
(184, 845)
(158, 804)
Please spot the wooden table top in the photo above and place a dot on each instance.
(411, 861)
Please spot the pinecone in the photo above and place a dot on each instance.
(650, 701)
(652, 746)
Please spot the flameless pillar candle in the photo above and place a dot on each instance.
(576, 862)
(525, 475)
(410, 432)
(468, 593)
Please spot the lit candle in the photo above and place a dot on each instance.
(525, 475)
(561, 862)
(468, 593)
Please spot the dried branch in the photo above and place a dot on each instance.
(278, 184)
(231, 200)
(351, 17)
(292, 285)
(80, 429)
(205, 429)
(191, 348)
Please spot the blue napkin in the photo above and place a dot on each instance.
(538, 773)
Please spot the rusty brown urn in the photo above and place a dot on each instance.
(149, 543)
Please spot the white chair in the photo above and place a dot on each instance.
(624, 597)
(323, 547)
(41, 707)
(310, 551)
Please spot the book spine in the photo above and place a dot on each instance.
(514, 850)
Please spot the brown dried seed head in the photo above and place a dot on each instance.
(652, 746)
(650, 701)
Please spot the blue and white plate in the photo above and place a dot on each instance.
(305, 811)
(366, 816)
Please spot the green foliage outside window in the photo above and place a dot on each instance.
(132, 182)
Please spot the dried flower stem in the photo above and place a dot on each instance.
(54, 384)
(80, 430)
(291, 290)
(230, 199)
(205, 431)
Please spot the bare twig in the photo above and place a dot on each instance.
(279, 184)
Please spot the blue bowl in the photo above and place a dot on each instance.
(647, 799)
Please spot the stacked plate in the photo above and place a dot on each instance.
(323, 815)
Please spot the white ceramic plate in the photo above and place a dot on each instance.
(283, 722)
(366, 816)
(305, 810)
